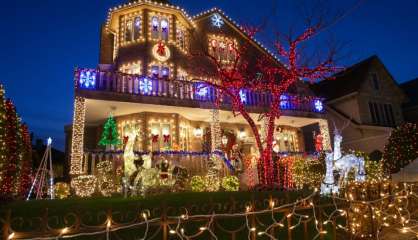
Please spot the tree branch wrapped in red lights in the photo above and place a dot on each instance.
(237, 68)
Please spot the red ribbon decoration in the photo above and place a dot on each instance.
(155, 138)
(166, 138)
(161, 49)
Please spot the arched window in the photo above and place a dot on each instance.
(155, 71)
(137, 28)
(164, 29)
(128, 30)
(155, 27)
(165, 72)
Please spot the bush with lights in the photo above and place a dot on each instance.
(62, 190)
(401, 148)
(230, 183)
(308, 172)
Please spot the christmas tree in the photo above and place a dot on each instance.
(25, 179)
(402, 147)
(3, 149)
(110, 136)
(12, 161)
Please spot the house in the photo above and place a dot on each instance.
(144, 80)
(410, 108)
(366, 101)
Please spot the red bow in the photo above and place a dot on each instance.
(155, 138)
(166, 138)
(161, 49)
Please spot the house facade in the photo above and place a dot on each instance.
(145, 81)
(366, 101)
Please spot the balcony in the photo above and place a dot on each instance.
(93, 82)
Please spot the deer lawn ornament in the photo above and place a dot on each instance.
(343, 164)
(128, 155)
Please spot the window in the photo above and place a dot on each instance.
(224, 49)
(131, 68)
(160, 71)
(131, 28)
(155, 27)
(160, 28)
(137, 28)
(164, 29)
(128, 31)
(375, 81)
(372, 112)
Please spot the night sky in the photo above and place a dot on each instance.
(43, 41)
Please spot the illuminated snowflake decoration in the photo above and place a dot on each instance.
(319, 106)
(243, 96)
(201, 90)
(87, 79)
(217, 20)
(145, 85)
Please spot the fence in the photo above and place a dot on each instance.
(286, 216)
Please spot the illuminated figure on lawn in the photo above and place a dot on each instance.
(343, 164)
(131, 132)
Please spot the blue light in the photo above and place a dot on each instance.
(243, 96)
(318, 105)
(201, 90)
(217, 20)
(145, 85)
(284, 102)
(87, 79)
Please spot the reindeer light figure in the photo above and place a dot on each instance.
(343, 164)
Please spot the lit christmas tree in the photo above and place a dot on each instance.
(25, 178)
(110, 136)
(3, 148)
(402, 147)
(11, 167)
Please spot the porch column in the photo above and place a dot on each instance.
(263, 130)
(77, 140)
(326, 141)
(215, 130)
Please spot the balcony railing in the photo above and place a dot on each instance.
(108, 81)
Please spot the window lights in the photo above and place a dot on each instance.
(160, 27)
(160, 71)
(224, 49)
(131, 28)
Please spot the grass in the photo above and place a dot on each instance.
(93, 210)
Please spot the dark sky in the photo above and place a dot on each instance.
(42, 41)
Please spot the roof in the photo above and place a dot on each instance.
(411, 89)
(345, 82)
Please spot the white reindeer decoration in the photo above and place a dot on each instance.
(343, 164)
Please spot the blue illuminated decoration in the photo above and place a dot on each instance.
(243, 96)
(318, 105)
(201, 90)
(145, 85)
(217, 20)
(87, 79)
(284, 102)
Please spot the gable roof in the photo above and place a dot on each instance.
(238, 28)
(346, 82)
(411, 89)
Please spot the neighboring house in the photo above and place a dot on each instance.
(410, 109)
(367, 99)
(144, 47)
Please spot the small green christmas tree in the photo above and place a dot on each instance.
(110, 136)
(402, 147)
